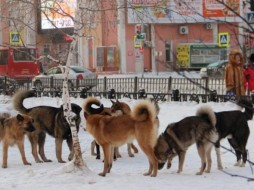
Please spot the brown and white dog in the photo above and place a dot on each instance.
(114, 131)
(12, 131)
(117, 108)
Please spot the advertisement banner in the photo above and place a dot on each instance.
(57, 13)
(183, 11)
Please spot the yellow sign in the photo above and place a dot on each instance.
(15, 38)
(183, 55)
(223, 39)
(137, 42)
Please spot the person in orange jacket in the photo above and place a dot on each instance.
(249, 74)
(234, 74)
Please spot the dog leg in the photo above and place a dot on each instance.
(98, 151)
(129, 150)
(106, 151)
(34, 142)
(219, 163)
(92, 148)
(181, 156)
(41, 142)
(70, 145)
(135, 149)
(112, 154)
(22, 152)
(209, 159)
(59, 143)
(5, 154)
(202, 155)
(153, 162)
(169, 161)
(117, 153)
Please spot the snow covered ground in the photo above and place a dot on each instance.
(127, 173)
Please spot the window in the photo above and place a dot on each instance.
(24, 54)
(168, 51)
(3, 57)
(46, 48)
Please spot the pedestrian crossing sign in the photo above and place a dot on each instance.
(223, 39)
(15, 38)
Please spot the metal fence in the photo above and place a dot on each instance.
(165, 89)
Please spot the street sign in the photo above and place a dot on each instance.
(250, 18)
(15, 38)
(223, 39)
(137, 42)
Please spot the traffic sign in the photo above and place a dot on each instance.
(15, 38)
(223, 39)
(137, 42)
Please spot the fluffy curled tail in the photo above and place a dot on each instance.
(248, 108)
(19, 98)
(144, 110)
(208, 114)
(88, 106)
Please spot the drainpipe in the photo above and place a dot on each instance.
(121, 36)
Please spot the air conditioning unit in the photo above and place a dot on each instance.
(183, 30)
(209, 26)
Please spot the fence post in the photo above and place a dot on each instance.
(5, 85)
(51, 83)
(136, 84)
(206, 85)
(135, 87)
(105, 86)
(169, 84)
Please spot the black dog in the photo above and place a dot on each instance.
(234, 126)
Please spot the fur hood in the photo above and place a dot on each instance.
(232, 59)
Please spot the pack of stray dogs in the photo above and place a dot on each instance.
(112, 127)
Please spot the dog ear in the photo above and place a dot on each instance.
(112, 102)
(20, 117)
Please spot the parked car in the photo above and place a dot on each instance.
(76, 73)
(214, 70)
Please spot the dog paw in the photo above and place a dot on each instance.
(131, 155)
(237, 163)
(242, 165)
(147, 174)
(27, 163)
(102, 174)
(4, 166)
(61, 161)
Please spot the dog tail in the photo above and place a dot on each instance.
(248, 108)
(19, 98)
(208, 114)
(88, 106)
(144, 110)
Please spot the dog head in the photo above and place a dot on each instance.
(25, 122)
(119, 108)
(162, 151)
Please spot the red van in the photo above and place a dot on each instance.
(19, 63)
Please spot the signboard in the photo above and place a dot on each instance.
(55, 14)
(137, 42)
(223, 39)
(15, 38)
(184, 11)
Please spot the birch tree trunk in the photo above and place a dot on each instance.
(69, 115)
